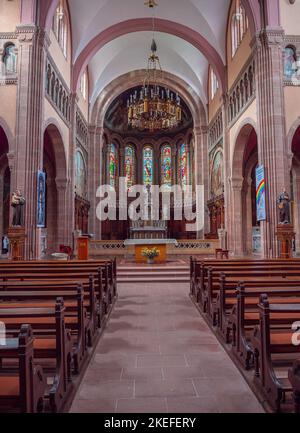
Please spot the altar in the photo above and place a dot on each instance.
(160, 244)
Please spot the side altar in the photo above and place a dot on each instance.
(159, 244)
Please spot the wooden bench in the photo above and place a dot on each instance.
(52, 346)
(274, 351)
(199, 269)
(294, 378)
(23, 390)
(43, 290)
(244, 316)
(76, 319)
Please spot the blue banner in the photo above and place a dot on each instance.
(41, 200)
(261, 194)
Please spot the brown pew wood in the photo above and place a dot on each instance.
(23, 391)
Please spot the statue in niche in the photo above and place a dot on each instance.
(283, 202)
(17, 203)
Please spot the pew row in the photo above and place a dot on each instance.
(23, 390)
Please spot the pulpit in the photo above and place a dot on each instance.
(17, 236)
(83, 247)
(285, 235)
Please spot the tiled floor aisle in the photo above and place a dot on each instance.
(158, 356)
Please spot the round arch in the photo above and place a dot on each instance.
(52, 127)
(136, 78)
(243, 189)
(240, 141)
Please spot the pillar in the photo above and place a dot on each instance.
(272, 150)
(237, 206)
(33, 43)
(95, 176)
(202, 173)
(63, 226)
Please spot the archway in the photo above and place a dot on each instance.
(246, 230)
(5, 182)
(54, 165)
(295, 186)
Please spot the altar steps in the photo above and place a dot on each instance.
(157, 274)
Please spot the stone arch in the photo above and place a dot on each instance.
(5, 184)
(293, 141)
(136, 78)
(244, 162)
(55, 166)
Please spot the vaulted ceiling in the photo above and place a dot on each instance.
(129, 52)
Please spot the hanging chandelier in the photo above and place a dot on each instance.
(155, 107)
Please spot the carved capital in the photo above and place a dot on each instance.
(61, 184)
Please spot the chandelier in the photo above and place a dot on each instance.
(155, 107)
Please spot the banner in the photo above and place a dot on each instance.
(260, 194)
(41, 200)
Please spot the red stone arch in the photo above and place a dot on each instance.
(243, 209)
(55, 166)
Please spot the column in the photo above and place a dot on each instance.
(63, 226)
(70, 181)
(33, 43)
(228, 209)
(237, 205)
(272, 150)
(95, 177)
(202, 173)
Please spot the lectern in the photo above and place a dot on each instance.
(83, 247)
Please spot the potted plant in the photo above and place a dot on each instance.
(150, 254)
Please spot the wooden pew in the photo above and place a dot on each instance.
(47, 289)
(22, 391)
(199, 269)
(294, 378)
(226, 295)
(52, 343)
(103, 280)
(211, 292)
(76, 320)
(244, 316)
(274, 351)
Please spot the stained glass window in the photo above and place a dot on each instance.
(130, 166)
(148, 166)
(166, 166)
(80, 174)
(113, 165)
(10, 59)
(289, 62)
(183, 166)
(239, 26)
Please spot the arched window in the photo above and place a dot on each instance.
(113, 161)
(83, 85)
(80, 175)
(130, 166)
(239, 26)
(183, 166)
(289, 62)
(166, 166)
(60, 27)
(148, 165)
(214, 83)
(10, 59)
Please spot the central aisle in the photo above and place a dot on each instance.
(158, 356)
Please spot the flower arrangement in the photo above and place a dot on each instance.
(150, 253)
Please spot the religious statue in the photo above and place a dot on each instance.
(284, 208)
(17, 203)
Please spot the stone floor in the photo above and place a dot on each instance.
(159, 356)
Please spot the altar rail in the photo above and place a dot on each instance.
(183, 247)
